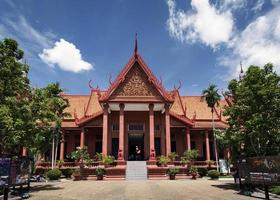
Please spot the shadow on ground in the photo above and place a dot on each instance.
(47, 187)
(232, 186)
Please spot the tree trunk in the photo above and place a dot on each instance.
(53, 151)
(215, 142)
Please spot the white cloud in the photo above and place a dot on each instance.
(204, 23)
(66, 56)
(257, 44)
(231, 4)
(258, 6)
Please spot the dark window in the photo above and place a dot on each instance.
(115, 147)
(193, 146)
(173, 146)
(157, 146)
(136, 127)
(157, 127)
(115, 127)
(98, 137)
(212, 151)
(98, 147)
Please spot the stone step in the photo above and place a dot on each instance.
(136, 170)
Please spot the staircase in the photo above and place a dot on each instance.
(136, 170)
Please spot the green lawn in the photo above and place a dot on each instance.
(275, 189)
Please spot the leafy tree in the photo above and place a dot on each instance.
(29, 117)
(254, 116)
(212, 97)
(15, 92)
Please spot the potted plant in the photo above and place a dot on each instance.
(89, 162)
(213, 174)
(99, 172)
(80, 154)
(191, 155)
(209, 163)
(76, 174)
(172, 156)
(184, 161)
(172, 171)
(108, 160)
(193, 171)
(163, 160)
(60, 163)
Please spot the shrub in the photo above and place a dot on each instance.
(173, 171)
(108, 160)
(54, 174)
(98, 156)
(80, 153)
(213, 174)
(163, 160)
(191, 154)
(184, 160)
(172, 156)
(210, 162)
(202, 172)
(76, 172)
(99, 171)
(193, 169)
(60, 163)
(67, 172)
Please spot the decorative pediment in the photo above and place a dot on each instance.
(136, 83)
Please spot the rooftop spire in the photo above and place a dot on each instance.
(241, 74)
(135, 47)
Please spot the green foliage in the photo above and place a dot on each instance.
(211, 96)
(88, 162)
(80, 154)
(108, 160)
(193, 169)
(98, 156)
(213, 174)
(26, 113)
(254, 116)
(172, 156)
(60, 163)
(210, 162)
(163, 160)
(173, 171)
(67, 172)
(54, 174)
(191, 155)
(202, 171)
(99, 171)
(275, 189)
(76, 172)
(184, 160)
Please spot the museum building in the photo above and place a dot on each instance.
(137, 112)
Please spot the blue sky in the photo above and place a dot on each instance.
(195, 41)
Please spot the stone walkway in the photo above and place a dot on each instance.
(164, 190)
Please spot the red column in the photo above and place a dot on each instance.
(105, 130)
(121, 133)
(82, 138)
(167, 129)
(62, 146)
(207, 145)
(152, 131)
(24, 151)
(188, 137)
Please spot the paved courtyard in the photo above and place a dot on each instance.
(164, 189)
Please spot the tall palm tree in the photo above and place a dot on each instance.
(212, 98)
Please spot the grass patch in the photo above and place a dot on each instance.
(225, 176)
(275, 189)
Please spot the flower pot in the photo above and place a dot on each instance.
(100, 177)
(172, 176)
(194, 175)
(76, 177)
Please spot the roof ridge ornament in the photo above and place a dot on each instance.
(241, 74)
(136, 44)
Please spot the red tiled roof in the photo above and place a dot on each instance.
(136, 58)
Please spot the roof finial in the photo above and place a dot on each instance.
(135, 47)
(241, 75)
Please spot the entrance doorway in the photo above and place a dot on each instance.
(136, 146)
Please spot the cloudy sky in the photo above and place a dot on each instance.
(197, 42)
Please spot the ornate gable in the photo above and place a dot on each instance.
(136, 83)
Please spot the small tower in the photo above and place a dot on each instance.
(241, 74)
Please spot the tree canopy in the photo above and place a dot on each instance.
(28, 116)
(254, 114)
